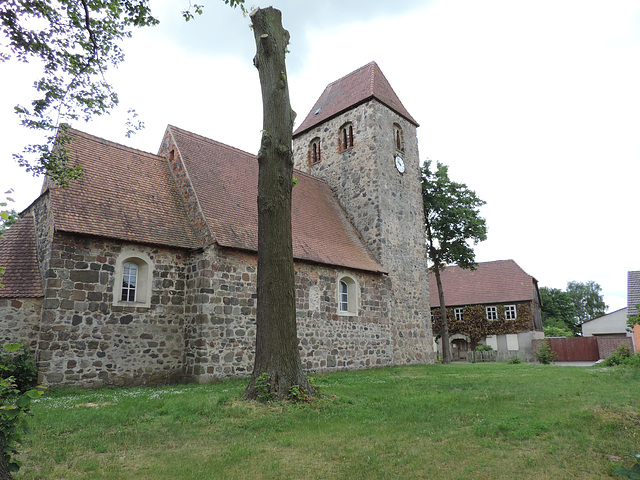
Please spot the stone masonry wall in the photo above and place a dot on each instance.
(220, 328)
(170, 151)
(43, 219)
(201, 321)
(385, 206)
(86, 340)
(20, 320)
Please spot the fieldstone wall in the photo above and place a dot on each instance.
(220, 324)
(86, 340)
(20, 320)
(169, 150)
(201, 321)
(385, 206)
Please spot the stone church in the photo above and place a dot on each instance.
(144, 270)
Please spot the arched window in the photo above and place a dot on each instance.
(398, 138)
(129, 282)
(345, 137)
(314, 151)
(133, 279)
(344, 296)
(347, 296)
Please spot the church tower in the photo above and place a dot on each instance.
(362, 141)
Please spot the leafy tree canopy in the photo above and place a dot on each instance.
(76, 41)
(579, 303)
(587, 299)
(452, 218)
(7, 218)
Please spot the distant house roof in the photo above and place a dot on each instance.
(493, 282)
(351, 90)
(225, 180)
(21, 277)
(124, 193)
(633, 292)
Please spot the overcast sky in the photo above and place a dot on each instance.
(535, 105)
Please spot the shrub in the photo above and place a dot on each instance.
(619, 356)
(514, 360)
(557, 332)
(15, 401)
(544, 354)
(18, 363)
(484, 348)
(623, 356)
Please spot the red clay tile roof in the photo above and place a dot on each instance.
(493, 282)
(358, 87)
(18, 255)
(124, 194)
(225, 180)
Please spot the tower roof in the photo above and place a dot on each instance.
(360, 86)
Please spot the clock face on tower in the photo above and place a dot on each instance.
(399, 163)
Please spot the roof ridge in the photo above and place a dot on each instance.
(371, 63)
(373, 77)
(253, 156)
(119, 146)
(211, 140)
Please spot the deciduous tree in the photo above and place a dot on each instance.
(452, 225)
(587, 300)
(579, 303)
(558, 309)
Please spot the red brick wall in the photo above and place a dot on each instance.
(607, 345)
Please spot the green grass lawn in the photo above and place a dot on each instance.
(460, 421)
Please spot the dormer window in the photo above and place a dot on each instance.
(398, 138)
(314, 151)
(345, 140)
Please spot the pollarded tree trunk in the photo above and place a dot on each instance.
(277, 360)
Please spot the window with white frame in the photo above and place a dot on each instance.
(129, 282)
(492, 313)
(344, 296)
(347, 296)
(458, 313)
(133, 279)
(510, 312)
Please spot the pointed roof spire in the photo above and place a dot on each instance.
(351, 90)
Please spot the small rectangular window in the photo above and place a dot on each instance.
(492, 313)
(458, 313)
(510, 312)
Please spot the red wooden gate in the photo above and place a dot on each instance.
(575, 349)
